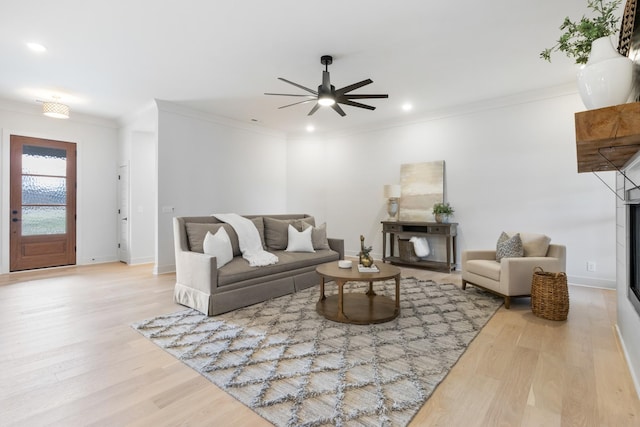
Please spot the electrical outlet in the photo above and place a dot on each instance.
(591, 266)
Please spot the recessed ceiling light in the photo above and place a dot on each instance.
(407, 107)
(310, 128)
(36, 47)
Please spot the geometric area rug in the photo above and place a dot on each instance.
(295, 368)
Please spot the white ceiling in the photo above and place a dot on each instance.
(111, 58)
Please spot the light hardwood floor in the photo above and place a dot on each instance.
(68, 357)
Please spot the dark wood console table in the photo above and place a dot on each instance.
(395, 229)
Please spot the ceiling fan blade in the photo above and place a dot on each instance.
(314, 109)
(364, 96)
(296, 103)
(356, 104)
(289, 94)
(354, 86)
(297, 85)
(338, 110)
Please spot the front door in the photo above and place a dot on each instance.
(43, 203)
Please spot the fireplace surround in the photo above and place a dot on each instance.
(633, 252)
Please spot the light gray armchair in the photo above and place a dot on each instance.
(512, 277)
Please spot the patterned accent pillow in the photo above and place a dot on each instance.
(509, 247)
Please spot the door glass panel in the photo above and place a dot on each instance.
(44, 161)
(43, 190)
(37, 220)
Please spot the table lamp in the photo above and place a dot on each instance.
(392, 192)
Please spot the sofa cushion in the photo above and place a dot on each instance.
(197, 231)
(535, 244)
(484, 267)
(509, 247)
(218, 245)
(239, 270)
(319, 237)
(259, 223)
(299, 241)
(276, 233)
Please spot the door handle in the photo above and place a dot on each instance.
(124, 219)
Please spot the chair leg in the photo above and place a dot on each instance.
(464, 284)
(507, 302)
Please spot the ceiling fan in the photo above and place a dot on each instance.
(327, 95)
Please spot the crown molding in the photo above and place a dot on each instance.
(569, 89)
(174, 108)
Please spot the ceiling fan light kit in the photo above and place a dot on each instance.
(328, 96)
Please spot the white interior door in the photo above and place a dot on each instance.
(123, 214)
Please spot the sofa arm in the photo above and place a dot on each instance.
(478, 254)
(517, 273)
(197, 271)
(337, 245)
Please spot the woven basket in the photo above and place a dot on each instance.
(407, 253)
(549, 295)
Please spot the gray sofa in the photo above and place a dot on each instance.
(201, 285)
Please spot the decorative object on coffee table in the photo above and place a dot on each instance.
(392, 193)
(549, 295)
(365, 254)
(357, 307)
(442, 212)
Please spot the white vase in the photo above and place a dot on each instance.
(607, 78)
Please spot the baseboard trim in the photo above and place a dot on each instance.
(630, 366)
(591, 282)
(163, 269)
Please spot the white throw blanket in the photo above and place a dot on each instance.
(420, 246)
(249, 239)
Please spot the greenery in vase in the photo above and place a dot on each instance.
(577, 37)
(442, 209)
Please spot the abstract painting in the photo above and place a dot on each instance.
(422, 187)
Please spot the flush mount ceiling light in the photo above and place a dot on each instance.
(55, 109)
(327, 95)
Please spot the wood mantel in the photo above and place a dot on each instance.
(612, 131)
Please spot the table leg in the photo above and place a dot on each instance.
(454, 252)
(322, 297)
(370, 291)
(384, 245)
(341, 315)
(398, 294)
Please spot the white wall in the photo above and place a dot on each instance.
(138, 142)
(97, 145)
(507, 167)
(211, 165)
(628, 317)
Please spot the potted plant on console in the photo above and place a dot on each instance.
(442, 212)
(605, 77)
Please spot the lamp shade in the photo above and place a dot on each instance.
(392, 191)
(55, 110)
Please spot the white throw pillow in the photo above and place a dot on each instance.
(218, 245)
(299, 241)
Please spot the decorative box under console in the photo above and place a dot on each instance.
(400, 231)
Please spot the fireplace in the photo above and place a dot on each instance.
(633, 227)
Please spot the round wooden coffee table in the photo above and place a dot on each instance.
(358, 308)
